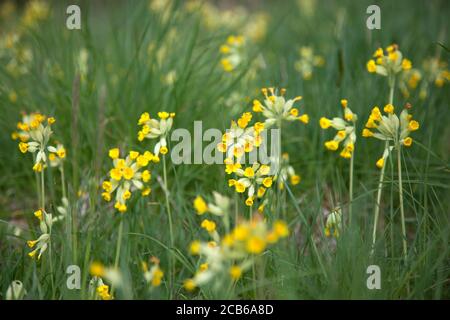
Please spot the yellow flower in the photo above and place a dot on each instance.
(38, 167)
(267, 182)
(115, 174)
(255, 245)
(241, 232)
(144, 118)
(281, 228)
(261, 192)
(295, 179)
(406, 64)
(249, 172)
(106, 196)
(257, 106)
(371, 66)
(31, 243)
(249, 201)
(413, 125)
(38, 214)
(332, 145)
(163, 115)
(146, 191)
(164, 150)
(344, 103)
(240, 188)
(208, 225)
(51, 120)
(97, 269)
(157, 276)
(367, 133)
(304, 118)
(189, 284)
(114, 153)
(380, 163)
(389, 108)
(23, 146)
(134, 155)
(121, 207)
(407, 141)
(200, 205)
(194, 248)
(128, 173)
(235, 272)
(32, 253)
(126, 195)
(61, 152)
(378, 53)
(324, 123)
(146, 175)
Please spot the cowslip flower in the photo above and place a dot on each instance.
(409, 81)
(128, 175)
(57, 155)
(36, 129)
(287, 173)
(241, 138)
(333, 225)
(435, 72)
(391, 128)
(254, 180)
(153, 275)
(232, 53)
(388, 63)
(35, 12)
(307, 62)
(156, 129)
(230, 256)
(275, 108)
(45, 225)
(218, 207)
(98, 290)
(345, 128)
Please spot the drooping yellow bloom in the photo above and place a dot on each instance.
(200, 205)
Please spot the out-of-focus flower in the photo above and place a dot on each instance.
(153, 275)
(333, 225)
(287, 173)
(232, 53)
(15, 291)
(307, 62)
(435, 72)
(35, 12)
(408, 81)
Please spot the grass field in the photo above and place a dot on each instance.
(309, 236)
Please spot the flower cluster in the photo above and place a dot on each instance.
(219, 207)
(156, 129)
(390, 127)
(333, 225)
(345, 128)
(234, 253)
(388, 63)
(307, 62)
(37, 128)
(232, 54)
(35, 12)
(18, 56)
(287, 173)
(126, 176)
(275, 108)
(57, 155)
(45, 224)
(153, 275)
(99, 290)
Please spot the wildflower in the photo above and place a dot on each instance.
(390, 128)
(41, 244)
(345, 131)
(208, 225)
(153, 275)
(34, 135)
(57, 155)
(200, 205)
(189, 285)
(388, 63)
(275, 108)
(307, 62)
(287, 173)
(235, 272)
(126, 177)
(156, 129)
(35, 12)
(333, 223)
(232, 53)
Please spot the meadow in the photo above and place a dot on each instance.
(353, 206)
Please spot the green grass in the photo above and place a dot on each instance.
(124, 79)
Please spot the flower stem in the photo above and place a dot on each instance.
(377, 207)
(42, 190)
(351, 190)
(169, 215)
(118, 247)
(400, 191)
